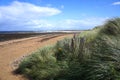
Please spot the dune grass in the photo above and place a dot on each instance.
(92, 55)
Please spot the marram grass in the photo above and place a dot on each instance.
(91, 55)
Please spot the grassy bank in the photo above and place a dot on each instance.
(92, 55)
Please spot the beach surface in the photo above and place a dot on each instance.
(14, 49)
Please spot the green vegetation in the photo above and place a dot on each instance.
(92, 55)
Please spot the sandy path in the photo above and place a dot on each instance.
(12, 50)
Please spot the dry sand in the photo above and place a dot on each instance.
(13, 49)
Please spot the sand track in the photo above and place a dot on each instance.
(13, 49)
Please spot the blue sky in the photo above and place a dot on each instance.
(56, 14)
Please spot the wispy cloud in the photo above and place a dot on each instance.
(62, 6)
(86, 23)
(116, 3)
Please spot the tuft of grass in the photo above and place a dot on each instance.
(112, 27)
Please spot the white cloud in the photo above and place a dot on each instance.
(86, 23)
(42, 24)
(116, 3)
(19, 14)
(26, 16)
(21, 9)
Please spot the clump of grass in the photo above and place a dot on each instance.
(40, 65)
(112, 27)
(92, 55)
